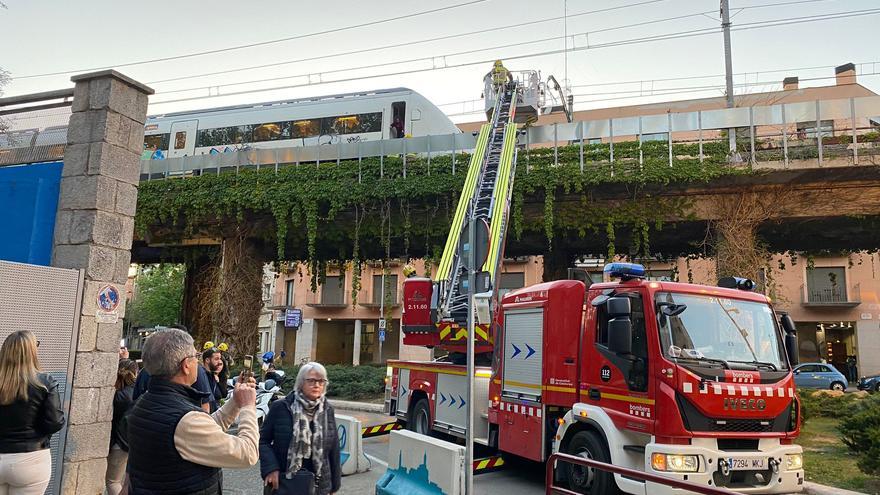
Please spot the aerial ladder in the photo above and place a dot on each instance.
(485, 199)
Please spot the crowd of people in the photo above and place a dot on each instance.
(169, 433)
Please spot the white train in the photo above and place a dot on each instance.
(346, 118)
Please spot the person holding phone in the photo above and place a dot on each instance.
(174, 446)
(30, 413)
(299, 444)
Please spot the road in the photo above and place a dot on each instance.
(520, 478)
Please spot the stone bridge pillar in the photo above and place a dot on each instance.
(93, 232)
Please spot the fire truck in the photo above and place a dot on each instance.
(688, 381)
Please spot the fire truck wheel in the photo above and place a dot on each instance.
(589, 445)
(420, 418)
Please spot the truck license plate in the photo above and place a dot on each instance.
(747, 464)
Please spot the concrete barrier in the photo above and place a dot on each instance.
(351, 449)
(418, 464)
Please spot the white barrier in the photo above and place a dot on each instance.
(418, 464)
(351, 449)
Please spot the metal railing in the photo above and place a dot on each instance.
(774, 134)
(836, 295)
(34, 126)
(630, 473)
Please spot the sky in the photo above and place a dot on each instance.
(74, 37)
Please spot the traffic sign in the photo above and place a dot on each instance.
(382, 324)
(292, 318)
(381, 335)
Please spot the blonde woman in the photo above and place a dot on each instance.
(30, 412)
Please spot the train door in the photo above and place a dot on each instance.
(183, 138)
(398, 127)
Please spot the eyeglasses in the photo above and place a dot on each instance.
(190, 356)
(316, 381)
(38, 343)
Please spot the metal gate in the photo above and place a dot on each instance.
(46, 301)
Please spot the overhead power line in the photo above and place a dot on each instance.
(439, 38)
(260, 43)
(662, 37)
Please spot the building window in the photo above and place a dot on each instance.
(332, 292)
(826, 284)
(288, 293)
(267, 292)
(807, 130)
(509, 282)
(390, 290)
(657, 136)
(660, 275)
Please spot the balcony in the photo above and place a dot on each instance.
(831, 297)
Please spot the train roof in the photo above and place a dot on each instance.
(310, 99)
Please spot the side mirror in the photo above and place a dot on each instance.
(797, 372)
(788, 324)
(618, 306)
(791, 347)
(620, 335)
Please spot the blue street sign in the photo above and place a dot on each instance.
(292, 318)
(381, 335)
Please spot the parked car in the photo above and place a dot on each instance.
(870, 383)
(819, 375)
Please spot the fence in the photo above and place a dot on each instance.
(840, 131)
(34, 127)
(46, 301)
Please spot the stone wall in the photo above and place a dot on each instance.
(93, 232)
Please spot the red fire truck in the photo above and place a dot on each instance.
(689, 381)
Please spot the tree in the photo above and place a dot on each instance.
(158, 296)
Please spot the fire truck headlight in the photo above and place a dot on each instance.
(794, 462)
(675, 463)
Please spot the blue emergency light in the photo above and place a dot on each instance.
(624, 271)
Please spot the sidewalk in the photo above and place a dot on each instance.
(357, 406)
(248, 482)
(817, 489)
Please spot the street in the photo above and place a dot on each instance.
(519, 478)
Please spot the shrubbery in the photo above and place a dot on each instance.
(861, 433)
(859, 416)
(346, 382)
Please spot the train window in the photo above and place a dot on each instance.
(306, 128)
(156, 142)
(370, 122)
(180, 140)
(271, 131)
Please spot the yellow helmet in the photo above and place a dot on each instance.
(223, 347)
(409, 270)
(208, 345)
(498, 63)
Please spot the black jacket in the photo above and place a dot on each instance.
(155, 467)
(275, 437)
(27, 425)
(122, 403)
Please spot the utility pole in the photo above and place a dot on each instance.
(728, 69)
(471, 323)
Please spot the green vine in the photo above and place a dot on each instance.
(310, 208)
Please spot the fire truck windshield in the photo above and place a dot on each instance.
(720, 330)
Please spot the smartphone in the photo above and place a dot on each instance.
(121, 343)
(248, 363)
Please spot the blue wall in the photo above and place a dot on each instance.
(28, 202)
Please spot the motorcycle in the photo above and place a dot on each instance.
(268, 391)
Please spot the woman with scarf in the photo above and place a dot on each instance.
(299, 437)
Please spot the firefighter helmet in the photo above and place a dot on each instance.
(223, 347)
(207, 345)
(409, 271)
